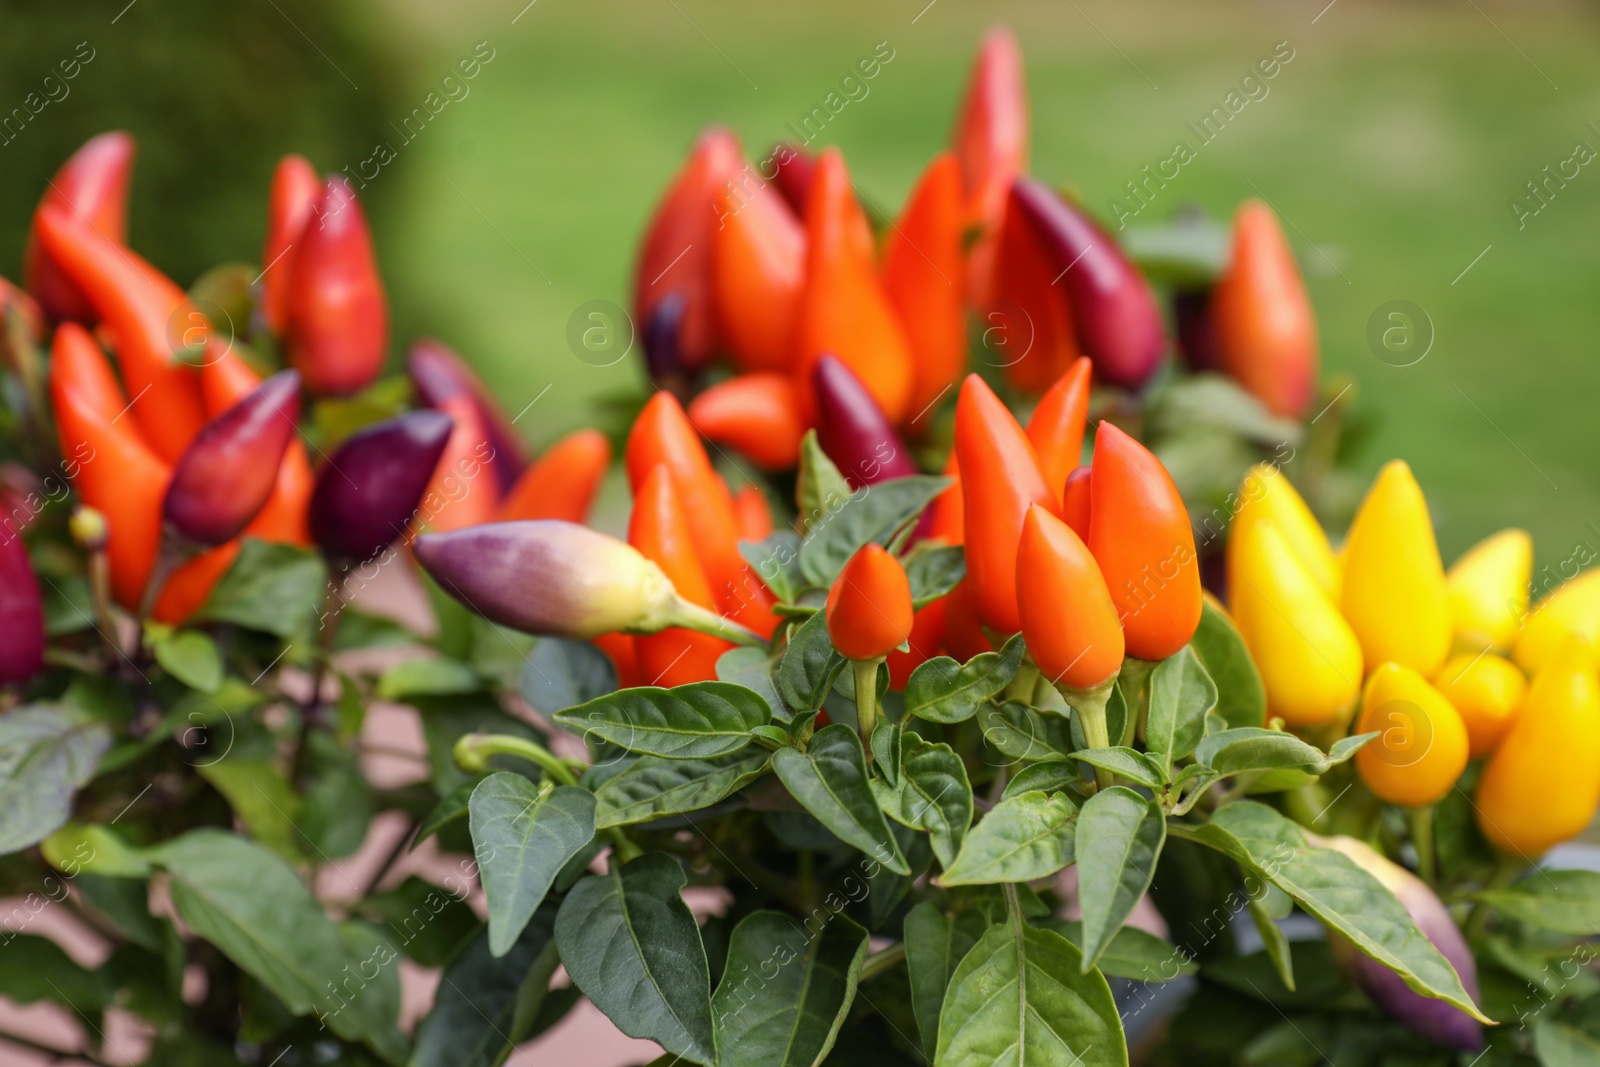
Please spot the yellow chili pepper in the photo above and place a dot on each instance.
(1394, 595)
(1489, 591)
(1309, 658)
(1265, 493)
(1543, 784)
(1487, 690)
(1573, 611)
(1421, 748)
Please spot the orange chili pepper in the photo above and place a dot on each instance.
(991, 140)
(1075, 507)
(843, 309)
(757, 413)
(946, 518)
(619, 648)
(758, 266)
(924, 258)
(1029, 332)
(927, 637)
(189, 587)
(755, 517)
(1056, 427)
(562, 483)
(963, 633)
(92, 187)
(337, 330)
(659, 529)
(1000, 480)
(147, 314)
(1139, 533)
(463, 491)
(1068, 619)
(290, 202)
(1266, 330)
(869, 605)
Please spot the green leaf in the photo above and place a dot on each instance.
(1181, 694)
(257, 911)
(192, 658)
(873, 514)
(695, 721)
(1132, 953)
(1019, 998)
(36, 969)
(819, 489)
(809, 666)
(790, 1018)
(1241, 696)
(885, 745)
(652, 787)
(933, 572)
(776, 562)
(1018, 731)
(935, 944)
(1253, 749)
(430, 922)
(561, 673)
(933, 795)
(751, 668)
(522, 835)
(428, 677)
(942, 690)
(1025, 837)
(1119, 839)
(631, 944)
(79, 848)
(263, 801)
(1333, 889)
(1275, 942)
(1051, 776)
(1559, 1045)
(452, 806)
(274, 588)
(830, 780)
(1130, 763)
(486, 1003)
(47, 752)
(1566, 902)
(339, 804)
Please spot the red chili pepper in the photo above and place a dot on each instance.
(659, 529)
(963, 632)
(338, 316)
(1028, 328)
(224, 381)
(1139, 533)
(991, 140)
(946, 517)
(1114, 312)
(92, 186)
(755, 517)
(1194, 321)
(368, 492)
(927, 637)
(1000, 480)
(1266, 330)
(757, 413)
(1056, 428)
(463, 491)
(1075, 510)
(1068, 619)
(758, 266)
(676, 254)
(619, 648)
(853, 431)
(147, 315)
(869, 606)
(792, 170)
(437, 373)
(22, 635)
(843, 311)
(563, 482)
(924, 275)
(290, 203)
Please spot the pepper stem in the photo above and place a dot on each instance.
(866, 679)
(1090, 704)
(691, 616)
(1422, 841)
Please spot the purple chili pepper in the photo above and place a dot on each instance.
(368, 492)
(21, 612)
(438, 373)
(852, 430)
(1197, 333)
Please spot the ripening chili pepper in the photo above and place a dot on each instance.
(563, 580)
(1266, 495)
(1542, 785)
(224, 381)
(675, 255)
(437, 374)
(753, 514)
(869, 605)
(463, 491)
(1028, 330)
(1075, 500)
(1572, 611)
(927, 637)
(1000, 480)
(663, 357)
(924, 276)
(562, 483)
(1421, 747)
(963, 632)
(368, 491)
(1266, 332)
(659, 529)
(853, 431)
(843, 309)
(792, 169)
(620, 649)
(229, 471)
(22, 634)
(946, 516)
(338, 317)
(758, 266)
(1309, 658)
(1487, 690)
(189, 586)
(1488, 589)
(757, 413)
(1194, 322)
(1114, 313)
(991, 141)
(1394, 592)
(290, 202)
(1139, 533)
(147, 315)
(1057, 424)
(1068, 619)
(92, 186)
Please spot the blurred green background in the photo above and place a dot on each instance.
(1393, 143)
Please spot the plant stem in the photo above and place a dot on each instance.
(100, 594)
(1090, 704)
(311, 710)
(882, 960)
(1022, 683)
(866, 679)
(1422, 841)
(691, 616)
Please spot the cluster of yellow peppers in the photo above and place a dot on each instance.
(1438, 663)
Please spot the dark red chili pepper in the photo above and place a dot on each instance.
(338, 321)
(368, 491)
(853, 431)
(1195, 324)
(22, 635)
(92, 186)
(437, 374)
(792, 168)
